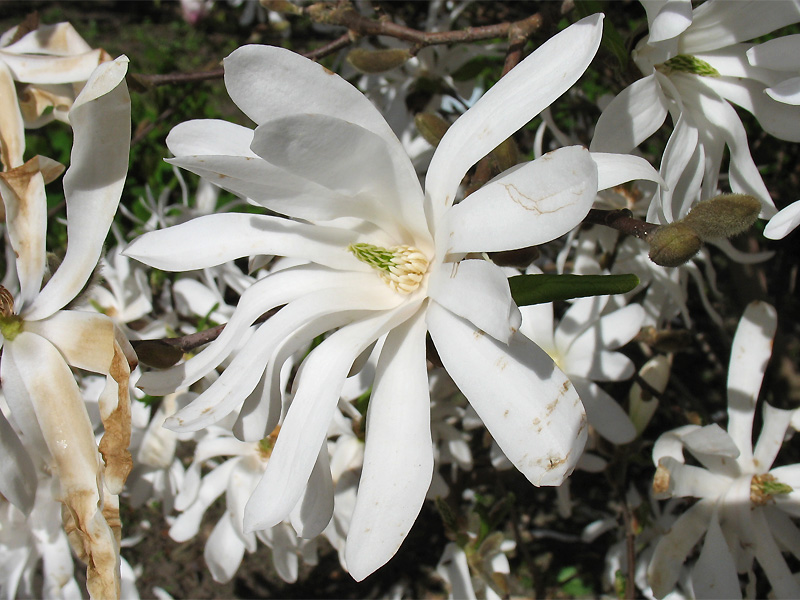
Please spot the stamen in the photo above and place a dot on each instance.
(764, 487)
(401, 267)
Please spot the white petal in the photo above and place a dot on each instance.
(310, 146)
(771, 560)
(787, 91)
(314, 510)
(752, 348)
(210, 137)
(714, 575)
(321, 377)
(17, 473)
(615, 169)
(777, 54)
(719, 24)
(667, 18)
(634, 115)
(543, 199)
(267, 83)
(398, 459)
(523, 93)
(23, 195)
(784, 222)
(478, 291)
(86, 340)
(101, 122)
(187, 524)
(12, 127)
(770, 440)
(673, 549)
(224, 550)
(215, 239)
(526, 403)
(604, 413)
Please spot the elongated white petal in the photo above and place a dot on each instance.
(278, 288)
(314, 510)
(210, 137)
(333, 307)
(751, 350)
(634, 115)
(215, 239)
(320, 380)
(673, 549)
(667, 18)
(18, 479)
(224, 550)
(398, 459)
(681, 149)
(101, 121)
(784, 222)
(523, 93)
(310, 146)
(714, 575)
(23, 195)
(267, 83)
(770, 440)
(526, 403)
(787, 91)
(615, 169)
(544, 199)
(769, 556)
(719, 24)
(478, 291)
(187, 524)
(12, 128)
(604, 413)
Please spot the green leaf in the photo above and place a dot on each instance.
(540, 288)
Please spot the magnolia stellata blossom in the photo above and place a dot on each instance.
(39, 70)
(42, 338)
(745, 507)
(382, 258)
(695, 64)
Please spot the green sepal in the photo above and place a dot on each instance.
(541, 288)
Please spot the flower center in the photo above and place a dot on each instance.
(10, 324)
(686, 63)
(764, 487)
(401, 267)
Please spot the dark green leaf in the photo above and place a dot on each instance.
(537, 289)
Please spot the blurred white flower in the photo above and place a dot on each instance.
(745, 508)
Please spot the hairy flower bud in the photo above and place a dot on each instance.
(674, 244)
(431, 126)
(377, 61)
(724, 216)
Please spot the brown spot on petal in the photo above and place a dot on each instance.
(661, 480)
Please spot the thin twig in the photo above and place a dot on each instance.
(622, 220)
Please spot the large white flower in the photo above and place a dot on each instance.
(381, 257)
(695, 64)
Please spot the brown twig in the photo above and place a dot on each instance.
(518, 35)
(169, 78)
(622, 220)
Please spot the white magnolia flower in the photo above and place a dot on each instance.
(383, 258)
(42, 339)
(41, 70)
(745, 507)
(693, 71)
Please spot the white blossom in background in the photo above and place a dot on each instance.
(383, 258)
(41, 73)
(695, 65)
(236, 477)
(43, 337)
(745, 508)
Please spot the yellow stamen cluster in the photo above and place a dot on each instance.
(401, 267)
(764, 487)
(10, 324)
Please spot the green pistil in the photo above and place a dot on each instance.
(10, 326)
(375, 256)
(686, 63)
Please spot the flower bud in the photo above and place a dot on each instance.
(724, 216)
(377, 61)
(674, 244)
(431, 126)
